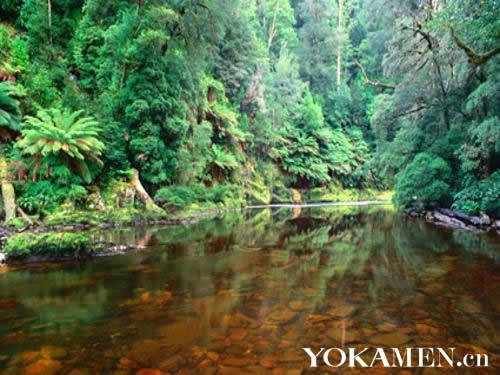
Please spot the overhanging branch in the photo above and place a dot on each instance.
(373, 83)
(474, 57)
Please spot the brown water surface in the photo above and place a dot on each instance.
(244, 293)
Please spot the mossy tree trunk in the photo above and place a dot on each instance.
(8, 193)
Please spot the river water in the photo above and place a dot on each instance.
(245, 292)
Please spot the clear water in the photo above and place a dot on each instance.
(243, 293)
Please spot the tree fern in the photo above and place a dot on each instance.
(223, 159)
(10, 114)
(57, 136)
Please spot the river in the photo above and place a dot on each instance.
(243, 293)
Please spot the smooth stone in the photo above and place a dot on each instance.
(283, 316)
(52, 352)
(29, 356)
(291, 335)
(278, 371)
(146, 352)
(182, 332)
(257, 370)
(469, 305)
(173, 364)
(127, 363)
(291, 357)
(387, 327)
(426, 329)
(238, 334)
(79, 372)
(390, 339)
(338, 335)
(318, 318)
(43, 367)
(237, 320)
(149, 371)
(231, 371)
(235, 350)
(343, 311)
(268, 362)
(208, 370)
(237, 362)
(213, 356)
(216, 346)
(299, 305)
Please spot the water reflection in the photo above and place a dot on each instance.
(243, 293)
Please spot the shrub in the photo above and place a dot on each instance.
(45, 195)
(482, 196)
(424, 181)
(184, 195)
(53, 244)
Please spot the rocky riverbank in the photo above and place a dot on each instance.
(459, 220)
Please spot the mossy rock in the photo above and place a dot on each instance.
(95, 202)
(51, 245)
(119, 194)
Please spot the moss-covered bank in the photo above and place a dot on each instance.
(29, 247)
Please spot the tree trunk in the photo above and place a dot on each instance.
(8, 193)
(339, 48)
(143, 195)
(49, 15)
(253, 101)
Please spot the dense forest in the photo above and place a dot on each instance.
(199, 102)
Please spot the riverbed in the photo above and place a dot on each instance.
(244, 292)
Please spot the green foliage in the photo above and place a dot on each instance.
(194, 93)
(425, 180)
(45, 195)
(481, 197)
(314, 154)
(181, 196)
(438, 105)
(55, 245)
(223, 159)
(10, 113)
(62, 138)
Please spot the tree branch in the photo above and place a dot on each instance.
(272, 30)
(415, 110)
(372, 83)
(474, 57)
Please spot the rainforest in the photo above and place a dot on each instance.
(206, 187)
(118, 110)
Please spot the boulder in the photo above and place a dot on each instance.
(120, 194)
(484, 220)
(448, 220)
(95, 202)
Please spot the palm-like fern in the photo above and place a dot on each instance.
(62, 134)
(223, 159)
(10, 114)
